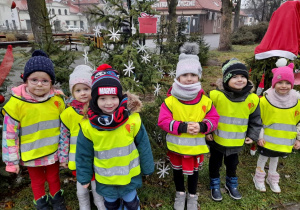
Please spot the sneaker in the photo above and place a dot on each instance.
(216, 194)
(273, 180)
(192, 202)
(179, 201)
(259, 180)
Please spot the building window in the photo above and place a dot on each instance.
(219, 22)
(75, 23)
(67, 22)
(66, 12)
(59, 12)
(53, 12)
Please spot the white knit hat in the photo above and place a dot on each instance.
(81, 74)
(188, 60)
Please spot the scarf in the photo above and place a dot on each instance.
(185, 92)
(282, 101)
(237, 95)
(78, 106)
(102, 121)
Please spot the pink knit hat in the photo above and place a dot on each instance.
(81, 74)
(283, 73)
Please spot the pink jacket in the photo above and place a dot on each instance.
(165, 116)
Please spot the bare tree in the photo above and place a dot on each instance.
(40, 23)
(237, 10)
(172, 18)
(225, 36)
(262, 9)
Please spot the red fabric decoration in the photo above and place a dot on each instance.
(6, 64)
(13, 5)
(283, 35)
(262, 82)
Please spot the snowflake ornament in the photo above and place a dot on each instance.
(145, 58)
(114, 35)
(85, 56)
(161, 72)
(141, 48)
(129, 68)
(172, 73)
(157, 89)
(163, 171)
(97, 31)
(137, 81)
(159, 163)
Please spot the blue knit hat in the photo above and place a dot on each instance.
(39, 62)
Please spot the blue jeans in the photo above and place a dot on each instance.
(130, 202)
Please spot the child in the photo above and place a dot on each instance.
(80, 86)
(239, 122)
(113, 142)
(280, 109)
(31, 130)
(187, 115)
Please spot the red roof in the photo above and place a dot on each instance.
(214, 5)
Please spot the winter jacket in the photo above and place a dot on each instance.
(165, 118)
(85, 151)
(254, 122)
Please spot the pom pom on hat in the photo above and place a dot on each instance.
(189, 60)
(283, 73)
(39, 62)
(81, 74)
(281, 62)
(233, 67)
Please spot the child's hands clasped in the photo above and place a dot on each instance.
(193, 128)
(248, 140)
(86, 185)
(297, 144)
(261, 142)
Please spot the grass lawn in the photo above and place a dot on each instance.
(158, 193)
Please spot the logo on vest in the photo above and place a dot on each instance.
(204, 109)
(250, 105)
(129, 127)
(107, 91)
(57, 104)
(297, 113)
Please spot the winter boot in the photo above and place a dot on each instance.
(215, 189)
(272, 181)
(58, 201)
(259, 180)
(192, 202)
(42, 203)
(231, 186)
(179, 201)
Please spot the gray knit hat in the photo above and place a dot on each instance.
(188, 60)
(81, 74)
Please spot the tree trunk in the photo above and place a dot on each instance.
(172, 18)
(40, 23)
(237, 15)
(225, 41)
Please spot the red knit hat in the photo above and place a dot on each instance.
(283, 73)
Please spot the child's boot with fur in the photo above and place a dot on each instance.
(179, 201)
(272, 181)
(259, 180)
(192, 202)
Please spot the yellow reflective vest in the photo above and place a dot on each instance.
(185, 143)
(116, 158)
(233, 123)
(279, 124)
(39, 125)
(71, 119)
